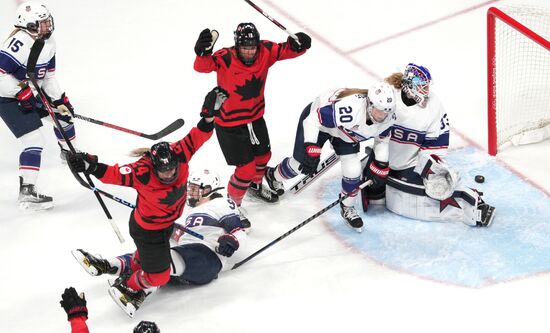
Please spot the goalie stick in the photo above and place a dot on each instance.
(309, 219)
(178, 123)
(31, 66)
(323, 167)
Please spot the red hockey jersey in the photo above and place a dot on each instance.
(158, 205)
(245, 84)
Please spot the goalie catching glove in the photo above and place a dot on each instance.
(439, 179)
(213, 102)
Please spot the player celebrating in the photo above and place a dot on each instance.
(240, 127)
(420, 184)
(344, 117)
(194, 261)
(19, 108)
(160, 178)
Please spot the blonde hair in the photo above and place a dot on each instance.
(395, 79)
(139, 152)
(13, 33)
(351, 91)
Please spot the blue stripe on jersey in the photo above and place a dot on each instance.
(327, 117)
(407, 135)
(197, 219)
(441, 141)
(8, 63)
(385, 133)
(51, 64)
(352, 135)
(230, 222)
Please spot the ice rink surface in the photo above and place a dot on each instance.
(131, 63)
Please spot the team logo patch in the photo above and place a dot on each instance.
(124, 170)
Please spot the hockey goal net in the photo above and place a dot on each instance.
(518, 75)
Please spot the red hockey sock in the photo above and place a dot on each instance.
(239, 181)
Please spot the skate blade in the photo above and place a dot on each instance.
(34, 206)
(84, 262)
(358, 230)
(491, 213)
(120, 300)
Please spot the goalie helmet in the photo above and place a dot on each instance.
(381, 104)
(416, 83)
(146, 327)
(198, 183)
(246, 35)
(165, 162)
(35, 18)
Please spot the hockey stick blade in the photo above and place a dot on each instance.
(178, 123)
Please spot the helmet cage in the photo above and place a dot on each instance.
(201, 184)
(416, 82)
(35, 19)
(381, 97)
(246, 34)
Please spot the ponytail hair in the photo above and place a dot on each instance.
(140, 152)
(395, 79)
(351, 91)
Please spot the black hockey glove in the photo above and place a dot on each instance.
(64, 107)
(213, 102)
(73, 304)
(25, 96)
(312, 157)
(228, 244)
(205, 43)
(82, 162)
(305, 42)
(378, 173)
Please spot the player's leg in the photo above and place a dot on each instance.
(262, 155)
(351, 178)
(194, 264)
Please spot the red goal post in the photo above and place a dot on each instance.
(518, 76)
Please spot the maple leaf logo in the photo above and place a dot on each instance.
(174, 195)
(250, 89)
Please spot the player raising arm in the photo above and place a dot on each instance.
(160, 179)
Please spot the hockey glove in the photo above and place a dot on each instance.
(64, 107)
(82, 162)
(228, 244)
(205, 43)
(73, 304)
(304, 39)
(312, 157)
(25, 96)
(213, 102)
(378, 173)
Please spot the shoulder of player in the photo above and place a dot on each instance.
(18, 46)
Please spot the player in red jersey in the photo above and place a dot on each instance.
(240, 127)
(160, 178)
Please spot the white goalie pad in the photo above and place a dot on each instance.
(440, 180)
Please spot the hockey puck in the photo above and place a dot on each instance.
(479, 179)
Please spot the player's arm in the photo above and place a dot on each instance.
(437, 136)
(9, 67)
(233, 237)
(289, 49)
(212, 62)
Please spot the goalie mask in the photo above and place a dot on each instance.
(381, 102)
(35, 18)
(247, 39)
(416, 83)
(165, 162)
(201, 184)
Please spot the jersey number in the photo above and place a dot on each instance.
(345, 117)
(15, 45)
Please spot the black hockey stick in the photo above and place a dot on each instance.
(282, 27)
(122, 201)
(31, 66)
(178, 123)
(309, 219)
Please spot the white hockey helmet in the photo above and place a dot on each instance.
(381, 102)
(199, 182)
(35, 18)
(416, 83)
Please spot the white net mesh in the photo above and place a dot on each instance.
(522, 77)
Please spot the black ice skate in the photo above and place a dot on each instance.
(487, 214)
(245, 222)
(126, 298)
(258, 191)
(30, 199)
(273, 183)
(95, 266)
(351, 217)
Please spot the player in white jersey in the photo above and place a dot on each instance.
(19, 108)
(420, 184)
(345, 118)
(194, 261)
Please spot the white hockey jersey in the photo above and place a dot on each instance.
(211, 220)
(417, 131)
(13, 65)
(344, 118)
